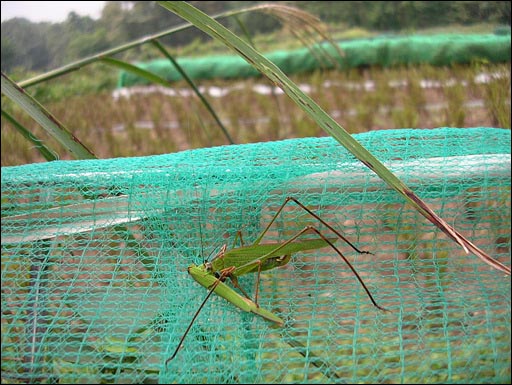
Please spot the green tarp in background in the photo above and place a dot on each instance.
(385, 51)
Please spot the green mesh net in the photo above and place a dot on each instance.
(95, 254)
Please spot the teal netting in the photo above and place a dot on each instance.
(95, 254)
(384, 51)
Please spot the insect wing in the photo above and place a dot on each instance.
(246, 258)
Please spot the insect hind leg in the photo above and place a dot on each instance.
(319, 233)
(314, 215)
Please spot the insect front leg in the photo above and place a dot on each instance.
(234, 281)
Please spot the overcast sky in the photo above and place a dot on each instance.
(53, 11)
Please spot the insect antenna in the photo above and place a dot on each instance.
(190, 325)
(211, 290)
(200, 222)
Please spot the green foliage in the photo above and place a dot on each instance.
(177, 121)
(49, 122)
(9, 53)
(28, 41)
(93, 79)
(42, 46)
(400, 15)
(89, 44)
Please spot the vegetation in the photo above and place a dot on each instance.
(84, 101)
(155, 121)
(43, 46)
(114, 125)
(291, 17)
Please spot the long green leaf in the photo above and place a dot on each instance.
(308, 105)
(55, 128)
(48, 154)
(287, 15)
(45, 119)
(113, 51)
(152, 77)
(136, 71)
(212, 112)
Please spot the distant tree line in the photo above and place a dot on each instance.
(43, 46)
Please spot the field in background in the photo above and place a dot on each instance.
(151, 120)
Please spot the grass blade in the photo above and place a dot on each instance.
(163, 82)
(136, 70)
(161, 48)
(144, 40)
(48, 154)
(309, 106)
(308, 29)
(45, 119)
(70, 142)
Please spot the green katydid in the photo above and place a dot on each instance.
(257, 258)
